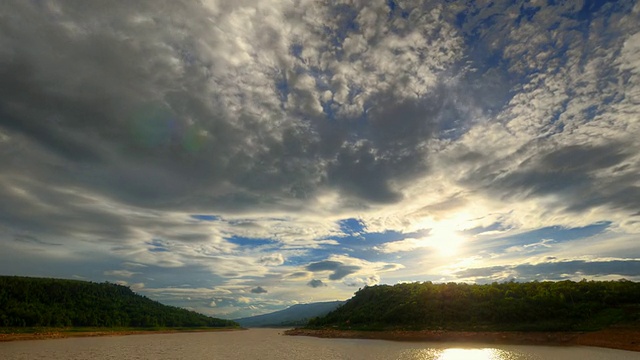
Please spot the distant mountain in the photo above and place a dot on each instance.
(27, 301)
(292, 316)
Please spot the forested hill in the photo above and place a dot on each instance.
(26, 301)
(544, 306)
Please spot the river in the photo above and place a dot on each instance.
(268, 344)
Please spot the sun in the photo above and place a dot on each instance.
(445, 242)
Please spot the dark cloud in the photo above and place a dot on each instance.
(338, 268)
(258, 290)
(555, 270)
(324, 265)
(132, 145)
(271, 259)
(150, 143)
(33, 240)
(298, 274)
(316, 283)
(565, 169)
(146, 141)
(572, 173)
(56, 213)
(390, 149)
(391, 267)
(343, 271)
(358, 170)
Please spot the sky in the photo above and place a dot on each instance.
(238, 157)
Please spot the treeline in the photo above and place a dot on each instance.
(33, 302)
(544, 306)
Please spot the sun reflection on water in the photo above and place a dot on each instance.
(464, 354)
(468, 354)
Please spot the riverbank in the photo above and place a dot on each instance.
(61, 333)
(613, 338)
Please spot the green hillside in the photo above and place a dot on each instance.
(548, 306)
(32, 302)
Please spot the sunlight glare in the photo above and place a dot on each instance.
(469, 354)
(445, 242)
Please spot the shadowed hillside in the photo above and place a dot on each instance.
(548, 306)
(26, 301)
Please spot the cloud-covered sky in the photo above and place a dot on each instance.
(238, 157)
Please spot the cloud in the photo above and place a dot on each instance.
(243, 300)
(338, 269)
(324, 266)
(137, 286)
(362, 281)
(120, 273)
(258, 290)
(165, 124)
(574, 175)
(556, 270)
(133, 265)
(32, 239)
(408, 244)
(184, 152)
(315, 283)
(272, 259)
(343, 271)
(352, 271)
(299, 274)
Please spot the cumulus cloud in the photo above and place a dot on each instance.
(362, 281)
(243, 300)
(352, 271)
(272, 259)
(258, 290)
(315, 283)
(338, 269)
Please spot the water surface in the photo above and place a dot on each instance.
(268, 344)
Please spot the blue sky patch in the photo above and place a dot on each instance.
(351, 226)
(250, 242)
(206, 217)
(157, 245)
(557, 233)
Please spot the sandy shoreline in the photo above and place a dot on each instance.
(622, 339)
(56, 334)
